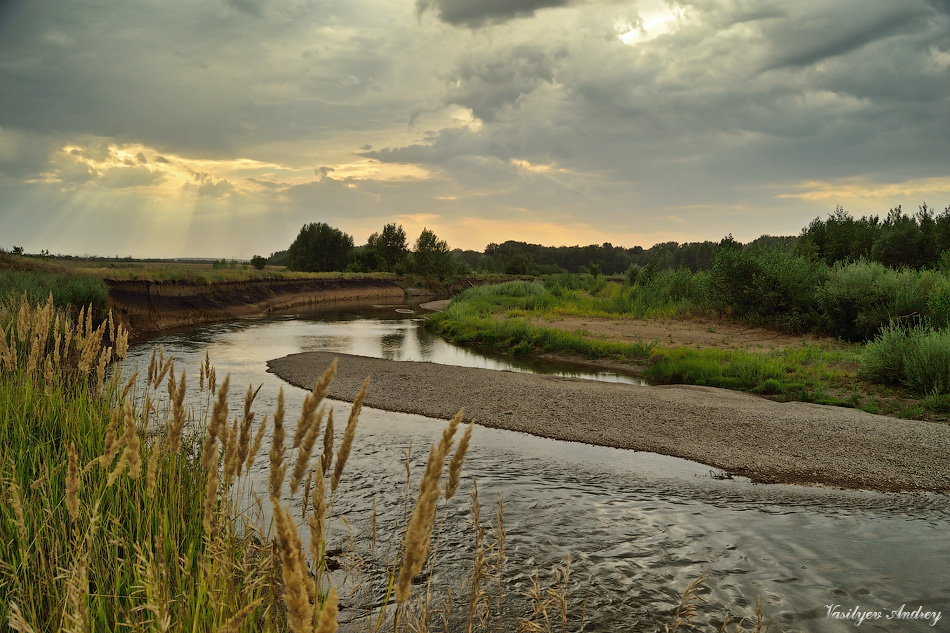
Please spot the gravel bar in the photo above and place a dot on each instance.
(740, 433)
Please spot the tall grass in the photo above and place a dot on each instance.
(916, 357)
(67, 289)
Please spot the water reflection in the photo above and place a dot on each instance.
(639, 527)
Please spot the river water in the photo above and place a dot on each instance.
(638, 527)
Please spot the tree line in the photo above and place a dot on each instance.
(917, 241)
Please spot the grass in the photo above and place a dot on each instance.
(505, 318)
(181, 271)
(121, 507)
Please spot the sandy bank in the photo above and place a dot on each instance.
(146, 307)
(740, 433)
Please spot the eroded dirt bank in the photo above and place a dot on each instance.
(740, 433)
(146, 307)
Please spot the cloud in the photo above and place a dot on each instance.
(478, 13)
(815, 36)
(491, 85)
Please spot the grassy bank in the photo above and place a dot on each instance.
(510, 318)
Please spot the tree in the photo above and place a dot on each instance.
(258, 262)
(390, 245)
(320, 248)
(432, 256)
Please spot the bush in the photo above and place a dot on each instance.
(917, 357)
(768, 286)
(862, 297)
(927, 363)
(258, 262)
(883, 358)
(938, 304)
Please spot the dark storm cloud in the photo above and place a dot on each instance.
(487, 85)
(476, 13)
(839, 30)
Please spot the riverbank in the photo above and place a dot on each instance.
(739, 433)
(148, 307)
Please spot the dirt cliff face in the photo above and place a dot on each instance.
(146, 307)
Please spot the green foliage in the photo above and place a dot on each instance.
(258, 262)
(320, 248)
(389, 246)
(917, 357)
(68, 290)
(883, 358)
(769, 286)
(938, 304)
(899, 240)
(432, 257)
(860, 298)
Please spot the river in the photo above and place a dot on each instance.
(638, 527)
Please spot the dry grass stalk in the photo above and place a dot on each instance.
(277, 467)
(152, 365)
(72, 483)
(211, 498)
(343, 453)
(178, 417)
(111, 447)
(297, 596)
(231, 451)
(132, 455)
(420, 526)
(233, 625)
(317, 519)
(312, 401)
(326, 458)
(455, 466)
(15, 502)
(327, 617)
(128, 386)
(151, 473)
(16, 620)
(306, 495)
(688, 606)
(256, 446)
(303, 455)
(77, 595)
(217, 428)
(244, 446)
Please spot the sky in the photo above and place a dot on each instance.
(165, 128)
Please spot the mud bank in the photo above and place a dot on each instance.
(147, 307)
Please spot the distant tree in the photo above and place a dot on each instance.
(17, 250)
(279, 258)
(390, 245)
(258, 262)
(320, 247)
(432, 257)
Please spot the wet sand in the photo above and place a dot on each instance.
(740, 433)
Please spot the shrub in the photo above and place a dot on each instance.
(938, 304)
(883, 358)
(927, 362)
(860, 298)
(767, 285)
